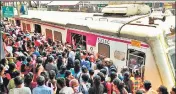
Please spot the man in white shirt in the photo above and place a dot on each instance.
(19, 89)
(71, 53)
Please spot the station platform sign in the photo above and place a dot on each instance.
(7, 11)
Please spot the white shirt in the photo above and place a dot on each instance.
(66, 90)
(72, 55)
(23, 90)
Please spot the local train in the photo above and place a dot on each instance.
(139, 43)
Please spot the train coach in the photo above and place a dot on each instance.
(140, 43)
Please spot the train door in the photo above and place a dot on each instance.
(37, 28)
(78, 40)
(18, 23)
(136, 61)
(24, 27)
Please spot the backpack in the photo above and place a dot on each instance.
(84, 88)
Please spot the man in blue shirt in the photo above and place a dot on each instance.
(42, 89)
(36, 52)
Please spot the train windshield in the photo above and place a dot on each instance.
(170, 40)
(171, 55)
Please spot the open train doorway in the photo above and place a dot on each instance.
(37, 28)
(136, 62)
(78, 40)
(18, 23)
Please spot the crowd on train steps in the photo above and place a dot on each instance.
(36, 65)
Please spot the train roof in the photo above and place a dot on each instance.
(139, 29)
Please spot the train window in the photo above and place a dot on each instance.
(24, 27)
(78, 40)
(104, 50)
(18, 23)
(29, 27)
(37, 28)
(57, 36)
(49, 34)
(136, 61)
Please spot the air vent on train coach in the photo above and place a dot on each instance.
(127, 9)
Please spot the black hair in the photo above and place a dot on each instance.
(28, 79)
(18, 80)
(53, 52)
(20, 49)
(87, 58)
(37, 68)
(139, 92)
(16, 73)
(113, 75)
(59, 61)
(3, 61)
(99, 66)
(97, 80)
(40, 80)
(35, 38)
(85, 77)
(63, 69)
(1, 67)
(102, 76)
(119, 85)
(84, 69)
(63, 54)
(44, 54)
(77, 66)
(61, 82)
(45, 74)
(19, 58)
(147, 85)
(67, 73)
(104, 71)
(84, 53)
(50, 59)
(163, 89)
(91, 72)
(174, 89)
(39, 60)
(52, 74)
(126, 76)
(70, 63)
(11, 67)
(136, 73)
(96, 84)
(23, 68)
(23, 58)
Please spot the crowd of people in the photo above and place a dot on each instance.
(34, 64)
